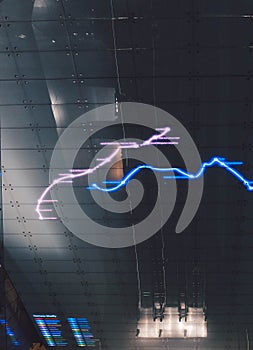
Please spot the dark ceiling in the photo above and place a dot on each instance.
(192, 58)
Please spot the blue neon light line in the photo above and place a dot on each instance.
(181, 174)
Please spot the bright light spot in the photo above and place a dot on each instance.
(171, 327)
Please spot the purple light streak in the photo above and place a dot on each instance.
(75, 173)
(67, 177)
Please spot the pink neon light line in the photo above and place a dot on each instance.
(75, 173)
(107, 143)
(70, 176)
(77, 170)
(121, 143)
(169, 138)
(164, 131)
(130, 146)
(163, 143)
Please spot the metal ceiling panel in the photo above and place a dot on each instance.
(32, 278)
(17, 139)
(71, 277)
(26, 116)
(52, 241)
(168, 33)
(166, 89)
(4, 42)
(57, 254)
(91, 8)
(50, 35)
(60, 266)
(224, 8)
(33, 301)
(63, 91)
(27, 265)
(27, 209)
(44, 227)
(13, 11)
(218, 114)
(34, 177)
(95, 64)
(78, 91)
(8, 66)
(168, 62)
(34, 160)
(224, 61)
(11, 93)
(223, 89)
(46, 10)
(124, 37)
(231, 32)
(91, 34)
(29, 64)
(71, 289)
(37, 91)
(20, 36)
(15, 240)
(158, 8)
(57, 65)
(16, 253)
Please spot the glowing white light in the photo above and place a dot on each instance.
(171, 327)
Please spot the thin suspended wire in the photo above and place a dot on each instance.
(137, 268)
(117, 71)
(115, 47)
(159, 195)
(138, 276)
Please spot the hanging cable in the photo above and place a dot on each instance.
(159, 195)
(117, 71)
(137, 269)
(136, 255)
(115, 47)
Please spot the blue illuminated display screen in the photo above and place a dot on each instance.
(81, 330)
(9, 332)
(49, 326)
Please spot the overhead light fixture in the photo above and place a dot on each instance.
(171, 327)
